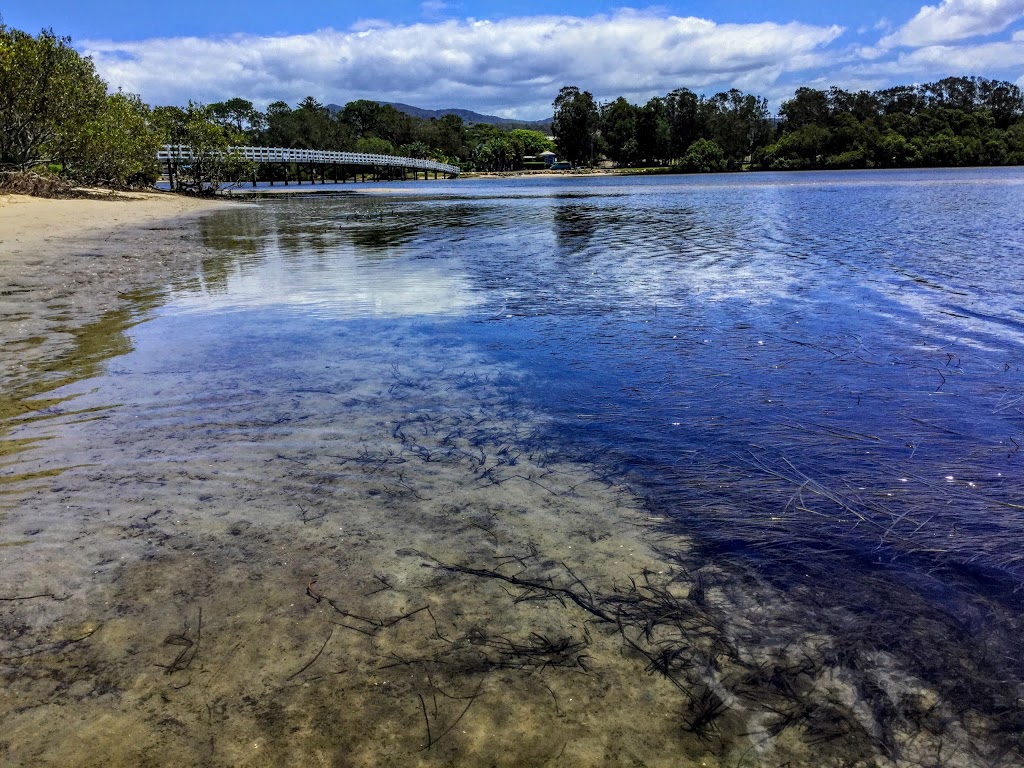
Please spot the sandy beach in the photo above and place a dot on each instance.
(70, 259)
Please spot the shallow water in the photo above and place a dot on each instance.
(749, 444)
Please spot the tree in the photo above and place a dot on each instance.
(209, 165)
(807, 107)
(363, 115)
(618, 129)
(373, 145)
(575, 124)
(532, 142)
(311, 125)
(280, 129)
(738, 123)
(238, 115)
(704, 156)
(684, 114)
(1004, 100)
(116, 147)
(652, 132)
(46, 87)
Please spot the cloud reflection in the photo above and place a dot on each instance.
(336, 285)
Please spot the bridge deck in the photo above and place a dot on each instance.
(180, 153)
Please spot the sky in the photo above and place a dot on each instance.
(510, 59)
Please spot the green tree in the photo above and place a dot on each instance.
(532, 142)
(653, 133)
(685, 120)
(417, 149)
(1014, 138)
(374, 145)
(311, 125)
(704, 156)
(736, 122)
(363, 115)
(280, 125)
(807, 107)
(46, 88)
(618, 129)
(117, 147)
(575, 124)
(1004, 100)
(209, 164)
(242, 120)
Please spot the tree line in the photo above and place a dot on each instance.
(957, 121)
(57, 114)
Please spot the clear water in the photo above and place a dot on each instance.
(800, 396)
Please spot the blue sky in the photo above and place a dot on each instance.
(511, 58)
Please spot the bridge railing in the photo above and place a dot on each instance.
(182, 153)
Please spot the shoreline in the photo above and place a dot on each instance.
(67, 262)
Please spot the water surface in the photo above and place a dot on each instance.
(749, 444)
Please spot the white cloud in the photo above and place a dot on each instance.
(515, 66)
(955, 20)
(934, 60)
(875, 68)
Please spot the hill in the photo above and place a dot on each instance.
(468, 116)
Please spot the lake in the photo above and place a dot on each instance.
(676, 470)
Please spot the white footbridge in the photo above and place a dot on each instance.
(344, 165)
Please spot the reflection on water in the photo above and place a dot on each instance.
(325, 258)
(24, 397)
(577, 472)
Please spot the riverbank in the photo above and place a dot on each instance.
(68, 261)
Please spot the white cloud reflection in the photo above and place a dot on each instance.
(337, 285)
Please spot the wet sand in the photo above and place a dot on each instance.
(383, 564)
(65, 262)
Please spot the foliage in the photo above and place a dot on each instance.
(373, 145)
(618, 131)
(45, 88)
(665, 128)
(956, 121)
(704, 156)
(116, 147)
(239, 117)
(210, 164)
(576, 125)
(532, 142)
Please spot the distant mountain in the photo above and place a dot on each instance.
(468, 116)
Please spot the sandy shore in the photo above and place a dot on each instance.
(32, 226)
(66, 262)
